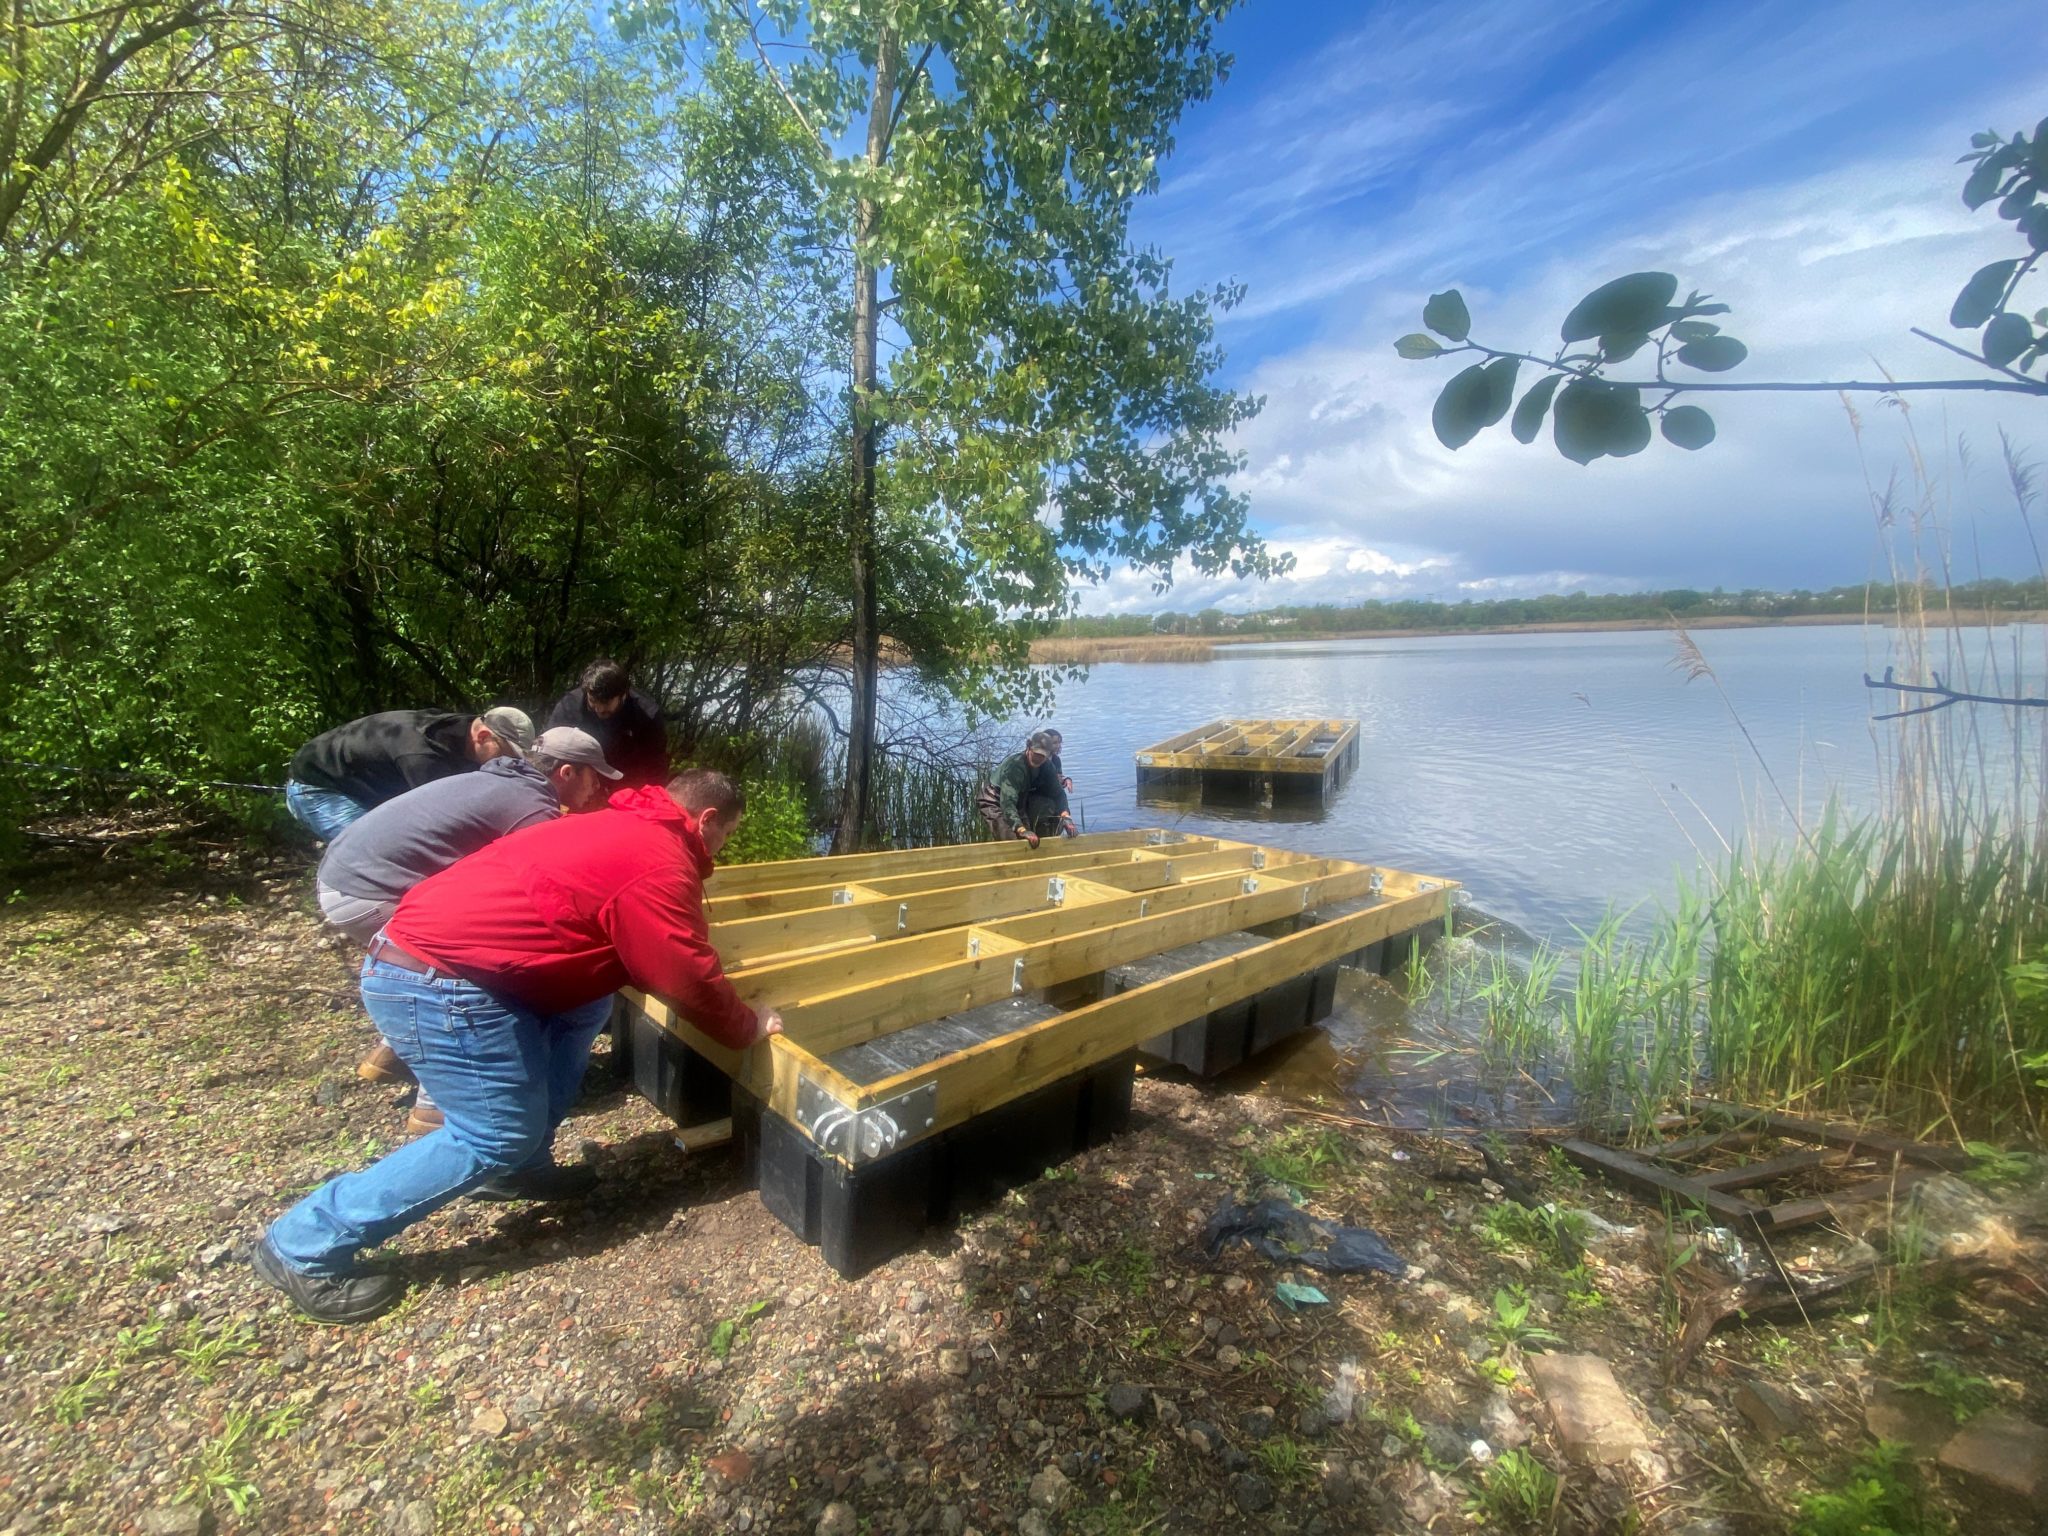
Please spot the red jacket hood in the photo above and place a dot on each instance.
(650, 802)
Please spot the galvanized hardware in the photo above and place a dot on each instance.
(1376, 883)
(1258, 858)
(1144, 906)
(974, 946)
(862, 1135)
(1055, 890)
(1017, 978)
(1427, 885)
(1145, 761)
(1249, 884)
(1168, 871)
(902, 915)
(842, 897)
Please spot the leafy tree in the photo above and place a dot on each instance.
(1047, 398)
(1594, 415)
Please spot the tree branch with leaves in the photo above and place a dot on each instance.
(1595, 415)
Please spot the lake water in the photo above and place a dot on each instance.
(1553, 775)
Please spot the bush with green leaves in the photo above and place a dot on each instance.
(775, 826)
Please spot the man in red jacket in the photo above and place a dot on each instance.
(491, 980)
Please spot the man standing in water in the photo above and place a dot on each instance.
(491, 981)
(1023, 800)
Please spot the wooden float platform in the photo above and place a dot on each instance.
(1254, 758)
(957, 1019)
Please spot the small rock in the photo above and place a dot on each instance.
(1339, 1486)
(952, 1520)
(1232, 1284)
(1252, 1492)
(1310, 1423)
(1127, 1402)
(1257, 1423)
(490, 1422)
(415, 1518)
(1235, 1459)
(917, 1303)
(123, 1140)
(1593, 1417)
(173, 1520)
(1444, 1444)
(293, 1359)
(1771, 1413)
(1062, 1266)
(953, 1361)
(1049, 1490)
(729, 1470)
(2005, 1452)
(103, 1224)
(1033, 1524)
(1204, 1436)
(1229, 1357)
(348, 1501)
(1227, 1333)
(328, 1094)
(838, 1520)
(1341, 1401)
(1502, 1425)
(213, 1253)
(1913, 1419)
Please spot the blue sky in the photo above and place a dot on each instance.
(1795, 160)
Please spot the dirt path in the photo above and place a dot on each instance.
(179, 1043)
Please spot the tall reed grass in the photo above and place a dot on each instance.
(1887, 964)
(1082, 651)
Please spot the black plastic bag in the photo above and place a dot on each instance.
(1288, 1235)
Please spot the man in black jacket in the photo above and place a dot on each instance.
(626, 723)
(341, 774)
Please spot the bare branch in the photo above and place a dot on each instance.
(1943, 694)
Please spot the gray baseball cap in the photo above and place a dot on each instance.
(514, 727)
(569, 745)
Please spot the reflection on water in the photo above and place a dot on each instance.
(1554, 775)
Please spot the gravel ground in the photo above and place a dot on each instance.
(180, 1038)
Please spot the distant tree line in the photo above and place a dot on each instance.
(1682, 603)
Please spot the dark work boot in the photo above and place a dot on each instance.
(552, 1182)
(328, 1298)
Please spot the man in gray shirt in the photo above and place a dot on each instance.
(377, 859)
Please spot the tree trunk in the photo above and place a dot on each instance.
(860, 532)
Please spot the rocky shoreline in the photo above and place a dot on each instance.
(179, 1042)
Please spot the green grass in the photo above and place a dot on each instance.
(216, 1471)
(1548, 1231)
(1880, 1497)
(1302, 1157)
(75, 1403)
(203, 1353)
(1516, 1492)
(1510, 1323)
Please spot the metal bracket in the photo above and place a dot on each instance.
(1376, 884)
(1055, 890)
(1144, 906)
(1258, 858)
(902, 915)
(1249, 884)
(1427, 885)
(1156, 839)
(1017, 978)
(842, 897)
(1168, 871)
(1145, 761)
(974, 946)
(861, 1135)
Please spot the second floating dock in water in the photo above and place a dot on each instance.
(1280, 758)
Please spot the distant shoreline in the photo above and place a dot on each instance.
(1091, 650)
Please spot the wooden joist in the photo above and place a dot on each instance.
(854, 951)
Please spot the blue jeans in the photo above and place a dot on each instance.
(325, 813)
(504, 1076)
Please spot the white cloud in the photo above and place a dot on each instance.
(1827, 270)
